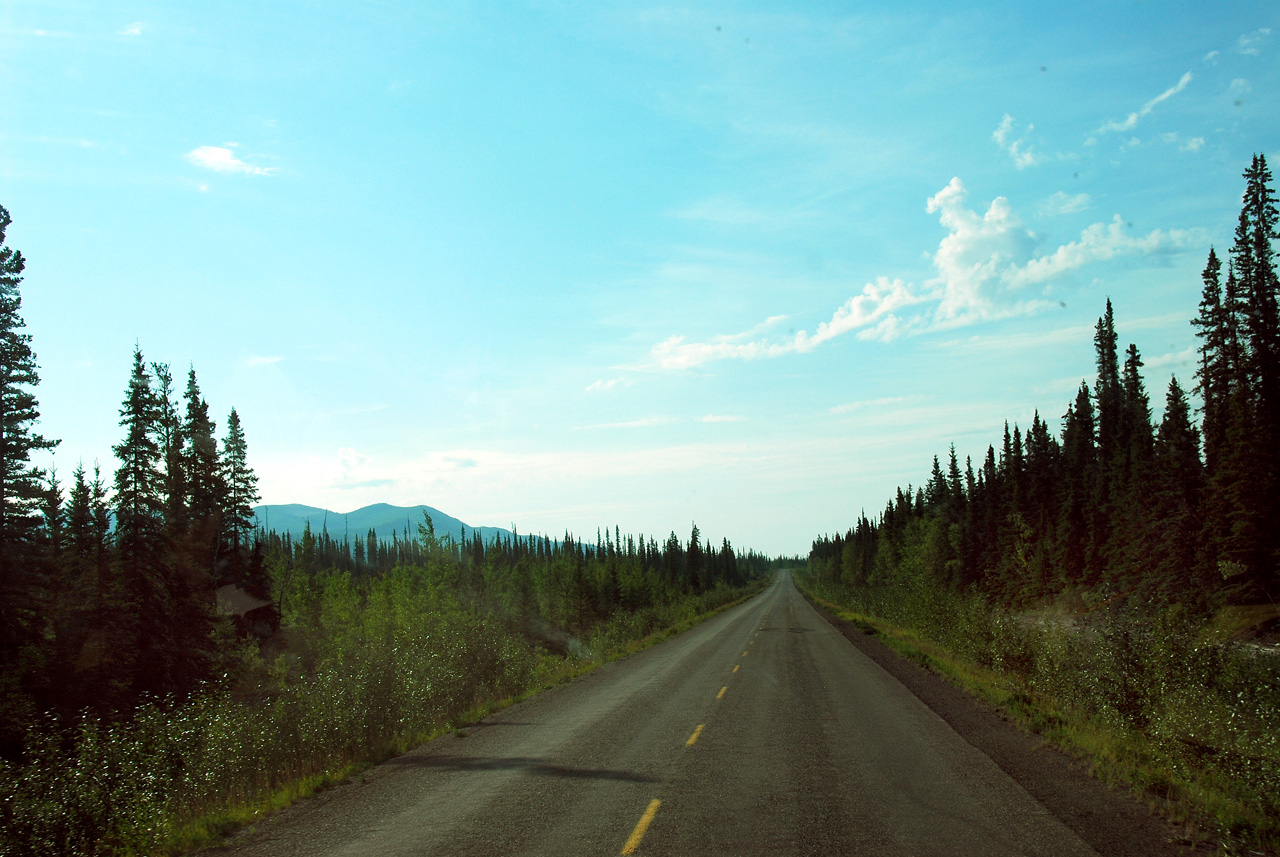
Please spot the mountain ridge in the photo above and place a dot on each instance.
(382, 518)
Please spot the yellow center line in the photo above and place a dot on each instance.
(694, 736)
(722, 690)
(633, 842)
(735, 667)
(744, 654)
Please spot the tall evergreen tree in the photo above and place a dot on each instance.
(21, 482)
(241, 488)
(142, 543)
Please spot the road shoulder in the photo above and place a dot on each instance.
(1113, 823)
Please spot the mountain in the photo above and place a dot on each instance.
(380, 517)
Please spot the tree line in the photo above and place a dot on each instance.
(1116, 506)
(538, 584)
(107, 585)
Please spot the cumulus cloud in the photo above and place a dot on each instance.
(221, 159)
(1063, 203)
(1195, 144)
(1023, 156)
(975, 255)
(1131, 122)
(1250, 44)
(986, 267)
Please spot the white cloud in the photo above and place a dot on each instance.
(1022, 157)
(1063, 203)
(985, 265)
(1250, 44)
(602, 385)
(973, 259)
(1097, 243)
(1211, 56)
(875, 305)
(728, 211)
(134, 29)
(645, 422)
(722, 418)
(1131, 122)
(253, 361)
(849, 407)
(223, 160)
(1195, 144)
(1174, 359)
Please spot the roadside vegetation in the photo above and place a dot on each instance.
(168, 672)
(1115, 588)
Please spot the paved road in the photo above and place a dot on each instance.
(761, 731)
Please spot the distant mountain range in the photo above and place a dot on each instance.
(383, 518)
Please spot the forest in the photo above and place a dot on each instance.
(167, 670)
(1117, 507)
(1112, 586)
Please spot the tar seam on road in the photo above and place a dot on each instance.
(694, 736)
(633, 841)
(722, 690)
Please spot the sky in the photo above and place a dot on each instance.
(571, 265)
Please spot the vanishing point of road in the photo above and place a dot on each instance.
(762, 731)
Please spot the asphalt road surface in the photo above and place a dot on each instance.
(762, 731)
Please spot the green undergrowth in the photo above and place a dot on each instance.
(382, 676)
(1187, 720)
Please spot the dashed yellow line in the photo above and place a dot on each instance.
(694, 736)
(722, 690)
(735, 667)
(744, 654)
(633, 842)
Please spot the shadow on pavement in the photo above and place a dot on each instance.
(539, 767)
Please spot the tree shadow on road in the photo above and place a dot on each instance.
(539, 767)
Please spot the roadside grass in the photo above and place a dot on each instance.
(1181, 719)
(179, 777)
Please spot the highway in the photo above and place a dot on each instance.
(762, 731)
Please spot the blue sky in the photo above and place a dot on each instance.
(570, 265)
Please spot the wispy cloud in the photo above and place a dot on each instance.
(221, 159)
(985, 266)
(722, 418)
(1131, 121)
(604, 385)
(1250, 44)
(872, 313)
(254, 360)
(731, 212)
(1064, 203)
(134, 29)
(645, 422)
(1023, 155)
(850, 407)
(1097, 243)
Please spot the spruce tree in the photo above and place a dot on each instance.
(21, 482)
(206, 487)
(241, 491)
(1177, 484)
(141, 540)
